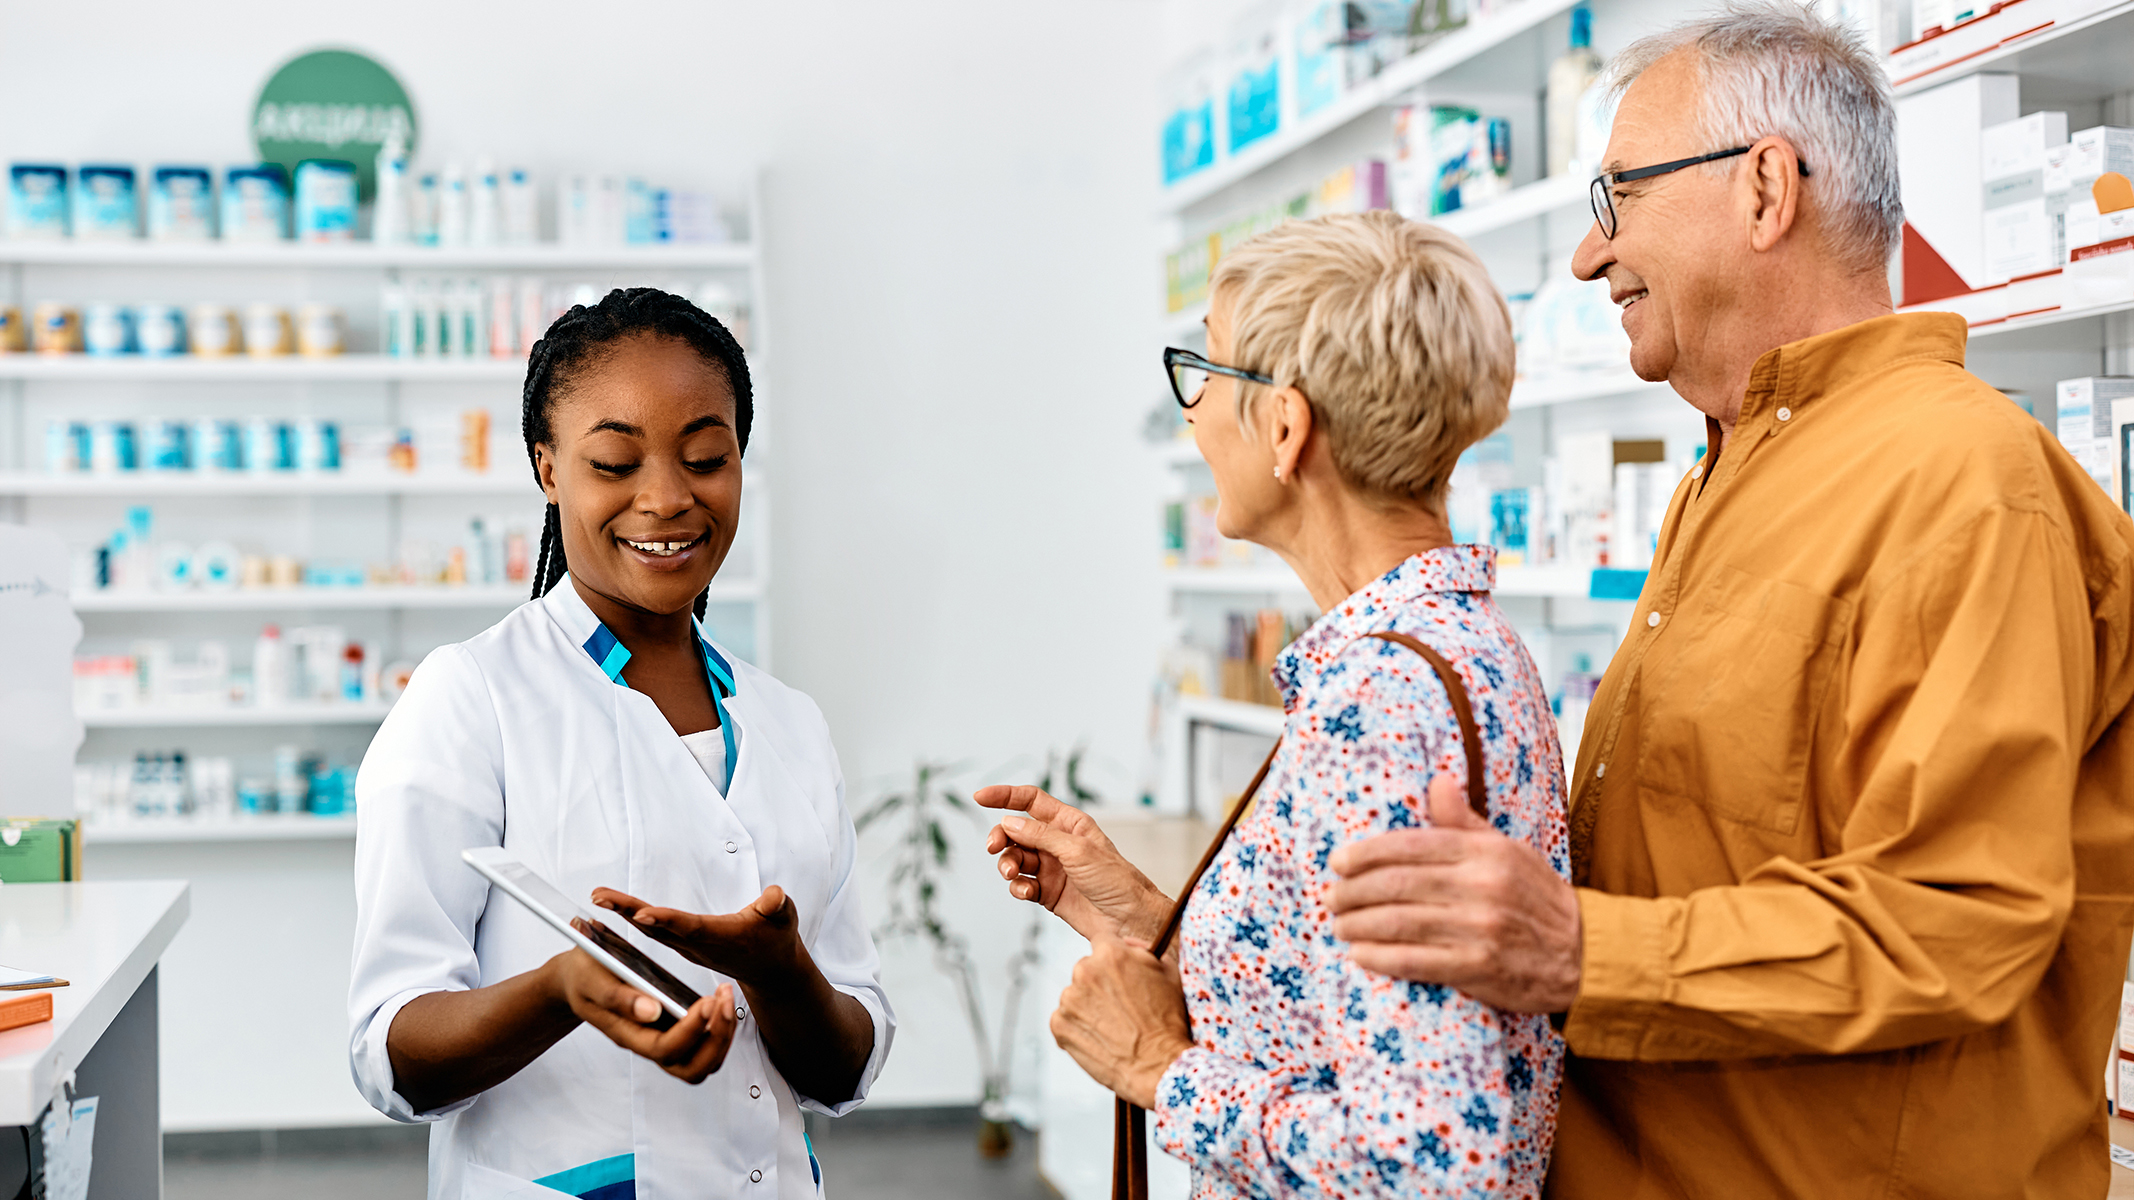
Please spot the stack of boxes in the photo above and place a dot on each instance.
(2095, 414)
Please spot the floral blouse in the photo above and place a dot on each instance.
(1310, 1075)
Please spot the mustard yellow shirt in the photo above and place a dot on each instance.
(1854, 818)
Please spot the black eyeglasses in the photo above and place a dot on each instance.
(1189, 373)
(1602, 191)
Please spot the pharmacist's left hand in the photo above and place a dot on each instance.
(1123, 1018)
(747, 945)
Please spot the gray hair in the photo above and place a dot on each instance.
(1772, 68)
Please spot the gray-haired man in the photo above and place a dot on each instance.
(1850, 828)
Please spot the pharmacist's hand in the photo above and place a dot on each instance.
(1056, 856)
(757, 945)
(690, 1049)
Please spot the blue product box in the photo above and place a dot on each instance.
(1321, 47)
(36, 201)
(325, 200)
(107, 205)
(1255, 107)
(255, 204)
(181, 204)
(1189, 140)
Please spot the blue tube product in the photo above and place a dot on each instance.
(107, 204)
(181, 205)
(325, 200)
(36, 201)
(255, 204)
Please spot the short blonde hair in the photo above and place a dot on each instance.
(1392, 330)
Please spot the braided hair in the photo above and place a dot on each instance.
(582, 337)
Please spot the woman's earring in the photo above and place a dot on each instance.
(1278, 472)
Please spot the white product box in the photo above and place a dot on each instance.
(2100, 148)
(2084, 422)
(2022, 233)
(1940, 159)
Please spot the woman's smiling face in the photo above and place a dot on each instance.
(645, 472)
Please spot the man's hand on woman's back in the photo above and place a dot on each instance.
(1461, 904)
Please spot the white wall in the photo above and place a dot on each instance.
(962, 281)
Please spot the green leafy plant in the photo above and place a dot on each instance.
(918, 863)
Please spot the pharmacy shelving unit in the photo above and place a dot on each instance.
(280, 882)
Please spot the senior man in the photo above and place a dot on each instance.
(1851, 829)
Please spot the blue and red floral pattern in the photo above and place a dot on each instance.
(1310, 1076)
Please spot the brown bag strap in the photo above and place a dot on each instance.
(1129, 1153)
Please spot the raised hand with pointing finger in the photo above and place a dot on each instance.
(1052, 853)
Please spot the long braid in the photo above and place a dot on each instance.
(575, 339)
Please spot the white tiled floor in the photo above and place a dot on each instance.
(869, 1156)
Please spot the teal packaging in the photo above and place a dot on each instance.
(255, 204)
(1255, 97)
(325, 200)
(36, 201)
(181, 204)
(107, 206)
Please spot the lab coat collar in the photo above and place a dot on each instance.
(570, 611)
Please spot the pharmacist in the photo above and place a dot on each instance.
(1849, 829)
(598, 734)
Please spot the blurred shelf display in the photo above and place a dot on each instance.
(1546, 197)
(247, 716)
(161, 483)
(1568, 387)
(262, 827)
(1263, 719)
(2072, 52)
(1554, 581)
(366, 255)
(73, 368)
(297, 599)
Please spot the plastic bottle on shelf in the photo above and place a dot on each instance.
(389, 225)
(452, 206)
(352, 673)
(422, 223)
(393, 323)
(270, 669)
(522, 209)
(485, 213)
(467, 322)
(1569, 77)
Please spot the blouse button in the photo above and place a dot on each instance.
(1785, 414)
(754, 1092)
(731, 848)
(1652, 620)
(755, 1177)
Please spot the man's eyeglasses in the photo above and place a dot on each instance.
(1603, 190)
(1189, 373)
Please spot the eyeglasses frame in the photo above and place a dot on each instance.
(1600, 193)
(1174, 356)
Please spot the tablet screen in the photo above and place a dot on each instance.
(542, 894)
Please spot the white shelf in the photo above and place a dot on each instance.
(1262, 719)
(149, 831)
(2043, 320)
(350, 599)
(339, 368)
(1180, 452)
(1564, 193)
(512, 482)
(1186, 323)
(1570, 386)
(1546, 582)
(2083, 59)
(203, 718)
(294, 255)
(1439, 58)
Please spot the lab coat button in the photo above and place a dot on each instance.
(731, 848)
(741, 1012)
(754, 1092)
(755, 1177)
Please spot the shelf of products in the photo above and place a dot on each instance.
(262, 827)
(1547, 582)
(2061, 56)
(1232, 714)
(351, 599)
(378, 368)
(1447, 55)
(158, 483)
(369, 713)
(367, 255)
(1546, 197)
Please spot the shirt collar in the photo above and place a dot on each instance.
(1457, 568)
(585, 630)
(1797, 373)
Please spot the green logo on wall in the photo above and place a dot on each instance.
(332, 104)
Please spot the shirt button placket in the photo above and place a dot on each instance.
(755, 1177)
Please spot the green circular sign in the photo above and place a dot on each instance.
(332, 104)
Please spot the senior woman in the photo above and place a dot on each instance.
(1350, 360)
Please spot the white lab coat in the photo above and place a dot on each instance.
(518, 738)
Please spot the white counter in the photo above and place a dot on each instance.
(104, 938)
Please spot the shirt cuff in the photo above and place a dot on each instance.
(884, 1029)
(373, 1066)
(1623, 974)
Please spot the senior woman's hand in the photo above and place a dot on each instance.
(1123, 1018)
(1059, 858)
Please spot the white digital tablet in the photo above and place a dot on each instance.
(608, 948)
